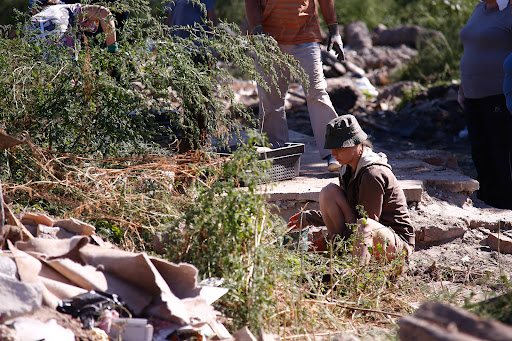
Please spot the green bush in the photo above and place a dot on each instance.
(372, 12)
(435, 62)
(89, 101)
(229, 233)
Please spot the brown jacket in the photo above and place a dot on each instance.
(376, 188)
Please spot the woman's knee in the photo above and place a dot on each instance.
(330, 190)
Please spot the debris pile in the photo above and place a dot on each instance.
(52, 266)
(88, 281)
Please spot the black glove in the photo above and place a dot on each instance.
(335, 42)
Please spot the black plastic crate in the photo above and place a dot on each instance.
(285, 161)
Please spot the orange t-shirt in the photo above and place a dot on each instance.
(291, 22)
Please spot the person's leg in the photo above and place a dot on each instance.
(103, 15)
(336, 211)
(272, 114)
(474, 110)
(320, 107)
(497, 126)
(381, 240)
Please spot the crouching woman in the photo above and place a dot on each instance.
(366, 180)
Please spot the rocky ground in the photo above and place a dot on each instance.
(461, 266)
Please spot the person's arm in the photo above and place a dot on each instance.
(328, 11)
(371, 195)
(460, 96)
(253, 10)
(329, 14)
(103, 15)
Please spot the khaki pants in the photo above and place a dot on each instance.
(272, 113)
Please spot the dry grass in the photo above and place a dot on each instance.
(134, 193)
(352, 299)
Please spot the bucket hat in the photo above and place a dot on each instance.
(344, 131)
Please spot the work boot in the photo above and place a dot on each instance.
(332, 164)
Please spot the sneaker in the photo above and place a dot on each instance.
(332, 164)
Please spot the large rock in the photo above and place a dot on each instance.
(17, 297)
(357, 36)
(381, 56)
(399, 89)
(499, 242)
(396, 36)
(438, 322)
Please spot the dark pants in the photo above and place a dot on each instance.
(490, 132)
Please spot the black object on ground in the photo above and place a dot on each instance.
(89, 306)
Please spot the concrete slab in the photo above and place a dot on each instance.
(412, 174)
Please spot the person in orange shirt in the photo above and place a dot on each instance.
(294, 25)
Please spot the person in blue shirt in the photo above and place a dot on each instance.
(507, 82)
(183, 13)
(182, 16)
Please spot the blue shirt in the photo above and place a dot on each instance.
(186, 13)
(507, 82)
(42, 2)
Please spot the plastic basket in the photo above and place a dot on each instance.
(285, 161)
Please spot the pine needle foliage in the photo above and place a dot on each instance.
(85, 100)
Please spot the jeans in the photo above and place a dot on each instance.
(490, 128)
(272, 113)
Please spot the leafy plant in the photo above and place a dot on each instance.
(435, 62)
(230, 233)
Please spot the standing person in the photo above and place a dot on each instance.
(182, 13)
(294, 25)
(487, 40)
(366, 179)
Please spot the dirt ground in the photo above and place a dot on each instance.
(463, 269)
